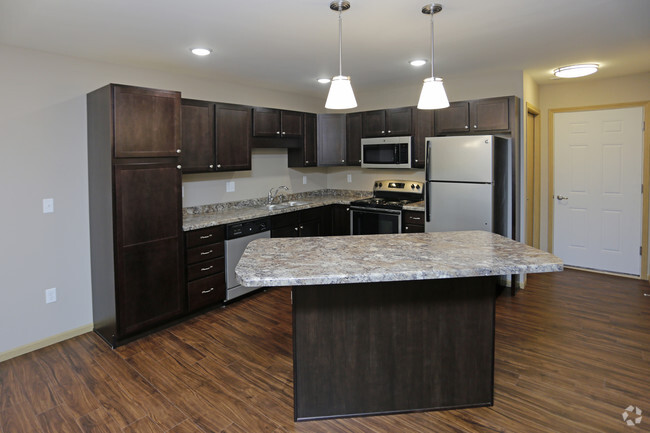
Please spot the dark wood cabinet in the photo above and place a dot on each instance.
(389, 122)
(424, 127)
(476, 116)
(331, 139)
(353, 138)
(135, 212)
(146, 122)
(412, 221)
(270, 122)
(304, 223)
(340, 220)
(216, 136)
(205, 276)
(305, 156)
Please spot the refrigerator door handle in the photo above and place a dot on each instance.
(427, 162)
(427, 211)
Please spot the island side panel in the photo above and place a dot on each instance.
(374, 348)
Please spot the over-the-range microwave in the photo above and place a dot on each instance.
(386, 152)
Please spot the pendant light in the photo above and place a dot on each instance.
(433, 94)
(340, 96)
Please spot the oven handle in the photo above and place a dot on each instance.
(375, 210)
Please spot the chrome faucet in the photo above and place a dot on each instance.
(272, 194)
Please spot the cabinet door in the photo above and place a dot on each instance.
(198, 136)
(148, 258)
(373, 123)
(233, 137)
(353, 138)
(331, 139)
(454, 118)
(147, 122)
(489, 114)
(423, 129)
(310, 140)
(291, 122)
(266, 122)
(310, 228)
(340, 220)
(399, 121)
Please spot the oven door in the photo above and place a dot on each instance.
(372, 221)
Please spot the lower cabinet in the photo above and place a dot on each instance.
(309, 222)
(412, 221)
(340, 220)
(204, 256)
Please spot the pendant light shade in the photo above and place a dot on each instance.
(433, 95)
(341, 96)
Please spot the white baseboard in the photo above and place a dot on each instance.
(45, 342)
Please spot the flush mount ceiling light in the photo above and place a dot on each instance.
(324, 80)
(574, 71)
(418, 62)
(340, 96)
(433, 94)
(201, 51)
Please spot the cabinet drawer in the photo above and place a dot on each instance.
(204, 252)
(410, 228)
(204, 269)
(204, 236)
(413, 218)
(206, 291)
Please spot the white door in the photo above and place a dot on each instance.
(598, 198)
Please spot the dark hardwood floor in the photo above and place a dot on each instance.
(572, 352)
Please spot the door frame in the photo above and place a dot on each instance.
(646, 172)
(533, 177)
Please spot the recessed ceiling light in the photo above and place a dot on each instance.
(324, 80)
(574, 71)
(201, 51)
(418, 62)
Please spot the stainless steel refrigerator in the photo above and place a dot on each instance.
(468, 184)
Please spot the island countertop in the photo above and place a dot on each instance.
(393, 257)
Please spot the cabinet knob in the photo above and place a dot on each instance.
(218, 165)
(306, 162)
(475, 126)
(343, 160)
(466, 127)
(178, 166)
(383, 132)
(389, 131)
(301, 227)
(359, 161)
(283, 132)
(296, 228)
(178, 151)
(277, 132)
(416, 160)
(211, 165)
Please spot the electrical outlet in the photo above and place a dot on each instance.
(349, 178)
(183, 191)
(48, 205)
(230, 186)
(304, 180)
(50, 295)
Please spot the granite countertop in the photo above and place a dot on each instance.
(225, 213)
(394, 257)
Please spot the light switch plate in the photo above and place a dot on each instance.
(230, 186)
(349, 178)
(304, 180)
(50, 295)
(48, 205)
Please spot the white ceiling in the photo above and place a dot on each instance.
(287, 46)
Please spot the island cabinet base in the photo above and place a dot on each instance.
(388, 347)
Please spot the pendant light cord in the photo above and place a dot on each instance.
(340, 41)
(432, 76)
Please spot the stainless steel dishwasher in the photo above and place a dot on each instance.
(238, 236)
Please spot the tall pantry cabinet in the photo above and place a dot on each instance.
(134, 179)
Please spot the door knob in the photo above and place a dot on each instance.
(561, 197)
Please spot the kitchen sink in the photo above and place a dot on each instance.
(297, 203)
(285, 205)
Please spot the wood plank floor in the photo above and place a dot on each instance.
(572, 352)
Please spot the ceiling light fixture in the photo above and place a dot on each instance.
(340, 95)
(201, 51)
(433, 94)
(574, 71)
(324, 80)
(418, 62)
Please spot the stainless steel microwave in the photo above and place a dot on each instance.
(386, 152)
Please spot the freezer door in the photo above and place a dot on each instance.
(460, 159)
(459, 206)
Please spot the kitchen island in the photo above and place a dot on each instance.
(391, 323)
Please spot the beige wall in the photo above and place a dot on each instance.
(583, 93)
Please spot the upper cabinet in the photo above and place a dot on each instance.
(423, 128)
(141, 122)
(477, 116)
(353, 122)
(305, 156)
(269, 122)
(216, 137)
(389, 122)
(331, 139)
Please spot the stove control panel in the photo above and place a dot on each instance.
(406, 186)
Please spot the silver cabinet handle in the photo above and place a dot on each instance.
(178, 151)
(466, 127)
(207, 269)
(306, 162)
(296, 228)
(343, 160)
(416, 160)
(277, 132)
(211, 165)
(205, 253)
(383, 132)
(415, 218)
(475, 126)
(206, 237)
(283, 132)
(179, 166)
(207, 291)
(561, 197)
(389, 131)
(218, 165)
